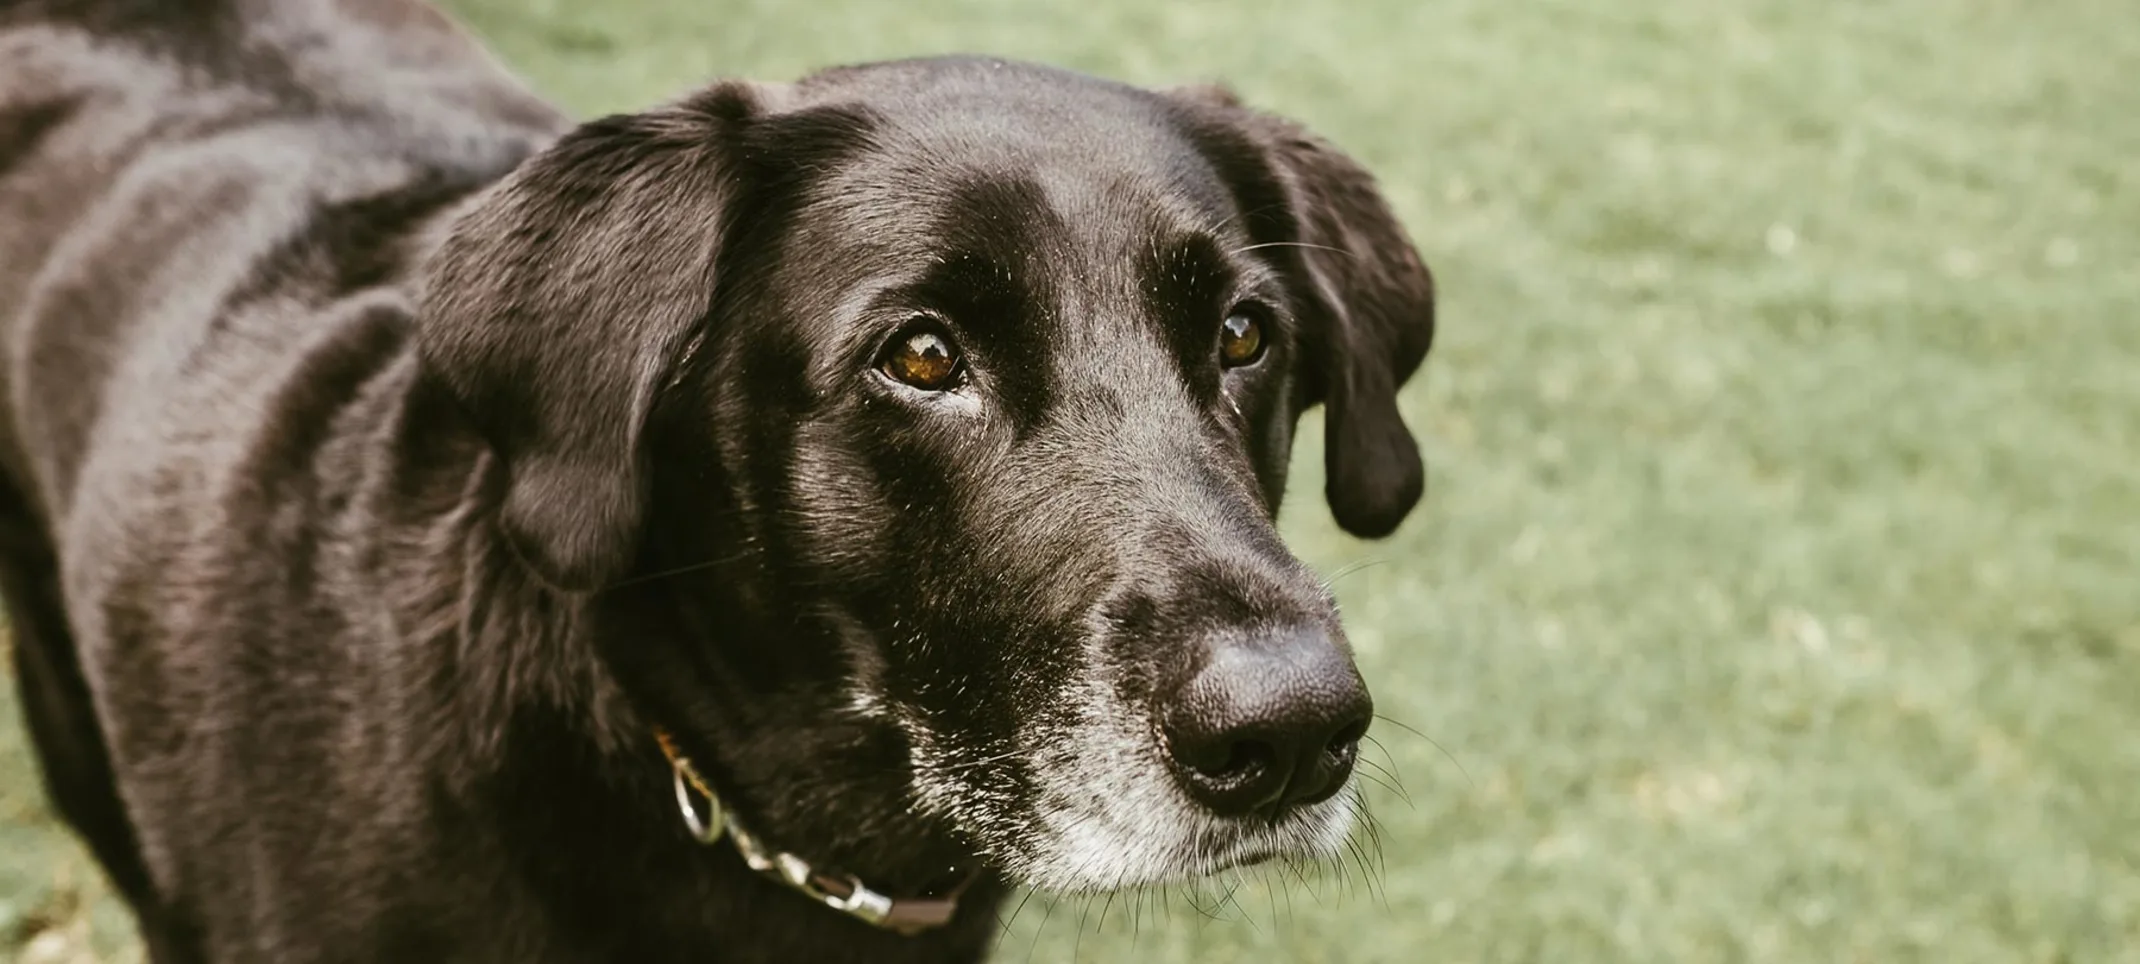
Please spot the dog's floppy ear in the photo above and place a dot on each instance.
(1374, 298)
(559, 303)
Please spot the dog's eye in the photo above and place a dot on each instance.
(1240, 339)
(923, 357)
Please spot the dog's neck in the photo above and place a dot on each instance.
(557, 695)
(778, 731)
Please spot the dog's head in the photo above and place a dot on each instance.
(957, 395)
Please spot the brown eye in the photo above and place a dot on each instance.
(923, 358)
(1240, 339)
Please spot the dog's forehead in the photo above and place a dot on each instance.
(999, 102)
(1083, 221)
(1103, 156)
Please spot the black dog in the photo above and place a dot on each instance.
(392, 469)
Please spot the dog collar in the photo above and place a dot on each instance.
(841, 892)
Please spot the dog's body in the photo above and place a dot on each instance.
(382, 464)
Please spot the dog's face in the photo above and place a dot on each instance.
(975, 383)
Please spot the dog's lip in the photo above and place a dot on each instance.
(1249, 859)
(1249, 855)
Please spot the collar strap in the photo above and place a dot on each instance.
(841, 892)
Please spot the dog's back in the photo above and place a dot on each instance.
(198, 198)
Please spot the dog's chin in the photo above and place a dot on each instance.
(1106, 842)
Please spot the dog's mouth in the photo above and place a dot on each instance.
(1256, 849)
(1106, 811)
(1252, 858)
(1110, 845)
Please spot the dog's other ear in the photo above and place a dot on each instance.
(1324, 216)
(559, 303)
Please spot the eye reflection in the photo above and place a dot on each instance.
(1240, 339)
(924, 358)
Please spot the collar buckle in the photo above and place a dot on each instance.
(705, 829)
(841, 892)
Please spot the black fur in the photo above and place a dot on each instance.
(385, 457)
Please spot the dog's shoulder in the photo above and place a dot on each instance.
(183, 183)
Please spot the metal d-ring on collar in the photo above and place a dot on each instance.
(841, 892)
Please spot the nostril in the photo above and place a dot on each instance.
(1245, 759)
(1321, 779)
(1347, 740)
(1220, 757)
(1229, 771)
(1246, 763)
(1343, 748)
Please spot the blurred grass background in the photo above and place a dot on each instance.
(1777, 596)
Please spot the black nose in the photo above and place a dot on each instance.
(1269, 723)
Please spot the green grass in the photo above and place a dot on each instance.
(1778, 588)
